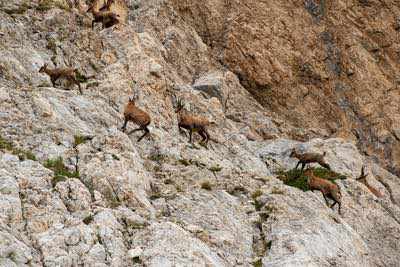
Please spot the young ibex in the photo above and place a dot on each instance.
(192, 123)
(327, 188)
(307, 158)
(55, 74)
(104, 16)
(136, 115)
(363, 179)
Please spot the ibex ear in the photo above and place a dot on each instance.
(363, 174)
(363, 171)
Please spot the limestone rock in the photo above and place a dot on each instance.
(271, 75)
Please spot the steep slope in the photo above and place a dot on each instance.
(337, 60)
(75, 190)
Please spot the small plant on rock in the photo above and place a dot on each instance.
(80, 139)
(296, 178)
(61, 172)
(206, 185)
(22, 154)
(256, 194)
(88, 219)
(215, 168)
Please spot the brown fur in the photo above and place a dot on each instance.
(136, 115)
(307, 158)
(106, 18)
(57, 73)
(97, 5)
(107, 6)
(119, 7)
(363, 179)
(327, 188)
(108, 12)
(192, 123)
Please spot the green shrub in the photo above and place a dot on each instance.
(158, 157)
(194, 162)
(256, 194)
(92, 84)
(257, 263)
(112, 198)
(88, 219)
(206, 185)
(178, 188)
(21, 9)
(216, 168)
(4, 144)
(79, 139)
(45, 5)
(22, 154)
(61, 172)
(57, 179)
(328, 174)
(296, 177)
(185, 162)
(52, 45)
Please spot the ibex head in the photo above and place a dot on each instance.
(180, 104)
(293, 153)
(177, 103)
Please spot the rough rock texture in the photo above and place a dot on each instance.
(337, 60)
(273, 75)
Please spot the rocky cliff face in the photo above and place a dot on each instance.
(273, 75)
(338, 60)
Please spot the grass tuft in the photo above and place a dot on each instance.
(4, 144)
(79, 139)
(257, 263)
(185, 162)
(21, 9)
(61, 172)
(194, 162)
(22, 154)
(206, 185)
(158, 157)
(87, 220)
(296, 177)
(45, 5)
(256, 194)
(215, 168)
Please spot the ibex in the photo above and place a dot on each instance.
(107, 5)
(307, 158)
(104, 16)
(136, 115)
(327, 188)
(363, 179)
(55, 74)
(192, 123)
